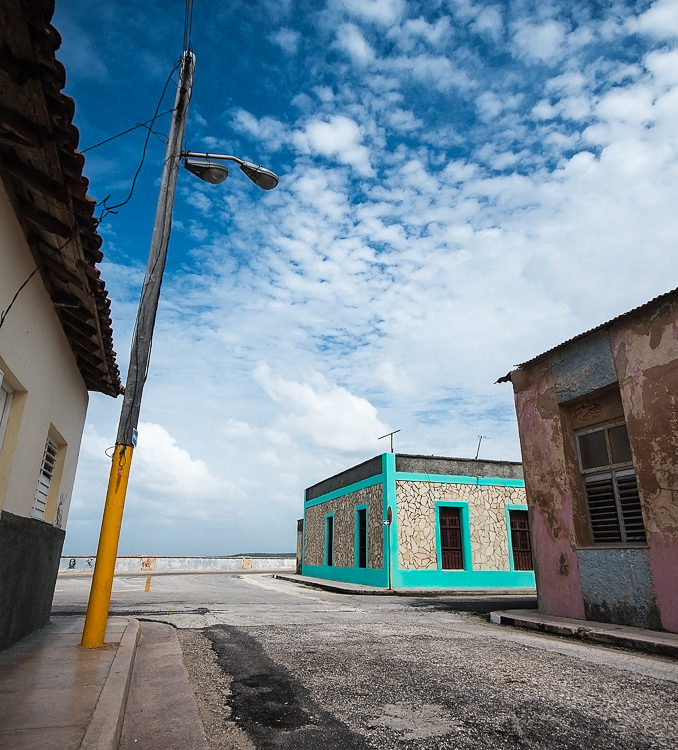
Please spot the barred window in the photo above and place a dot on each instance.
(610, 483)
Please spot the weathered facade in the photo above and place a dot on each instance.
(55, 327)
(598, 422)
(456, 523)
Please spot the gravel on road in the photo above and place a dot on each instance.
(407, 676)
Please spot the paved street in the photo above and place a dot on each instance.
(278, 665)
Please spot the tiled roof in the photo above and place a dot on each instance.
(42, 171)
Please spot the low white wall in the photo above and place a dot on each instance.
(152, 564)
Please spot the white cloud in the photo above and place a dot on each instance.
(663, 66)
(542, 42)
(287, 39)
(339, 137)
(352, 41)
(489, 22)
(660, 20)
(269, 130)
(327, 415)
(382, 12)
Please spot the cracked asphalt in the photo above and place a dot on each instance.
(276, 665)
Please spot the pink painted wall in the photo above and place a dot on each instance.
(548, 493)
(646, 358)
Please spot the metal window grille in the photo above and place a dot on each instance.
(362, 538)
(47, 467)
(520, 540)
(330, 539)
(451, 550)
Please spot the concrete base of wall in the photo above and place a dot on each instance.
(617, 586)
(29, 562)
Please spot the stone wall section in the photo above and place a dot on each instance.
(415, 503)
(344, 529)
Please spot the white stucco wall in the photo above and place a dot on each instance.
(49, 391)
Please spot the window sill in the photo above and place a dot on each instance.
(616, 545)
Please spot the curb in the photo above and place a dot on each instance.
(335, 588)
(105, 726)
(339, 587)
(635, 639)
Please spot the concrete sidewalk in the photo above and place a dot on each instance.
(621, 636)
(55, 694)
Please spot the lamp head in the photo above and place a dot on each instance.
(206, 170)
(260, 176)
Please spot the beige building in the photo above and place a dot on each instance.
(55, 327)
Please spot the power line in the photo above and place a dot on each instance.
(188, 24)
(124, 132)
(112, 209)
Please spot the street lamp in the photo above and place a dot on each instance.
(201, 166)
(140, 353)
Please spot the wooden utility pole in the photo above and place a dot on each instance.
(140, 354)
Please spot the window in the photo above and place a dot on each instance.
(329, 540)
(6, 394)
(520, 540)
(361, 541)
(44, 480)
(610, 483)
(450, 538)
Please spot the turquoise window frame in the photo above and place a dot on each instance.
(508, 534)
(356, 546)
(465, 533)
(326, 551)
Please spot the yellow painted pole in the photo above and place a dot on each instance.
(107, 551)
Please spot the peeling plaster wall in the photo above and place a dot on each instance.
(344, 529)
(630, 370)
(646, 358)
(548, 491)
(416, 522)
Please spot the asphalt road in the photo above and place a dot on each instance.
(277, 665)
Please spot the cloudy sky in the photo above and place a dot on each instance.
(463, 185)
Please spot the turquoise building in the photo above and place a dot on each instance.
(407, 522)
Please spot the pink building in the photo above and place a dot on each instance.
(598, 422)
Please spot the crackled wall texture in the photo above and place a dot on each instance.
(487, 520)
(344, 529)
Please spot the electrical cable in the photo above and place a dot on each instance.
(5, 312)
(124, 132)
(112, 209)
(188, 25)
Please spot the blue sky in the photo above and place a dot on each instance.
(463, 185)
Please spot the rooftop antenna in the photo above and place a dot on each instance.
(480, 440)
(386, 435)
